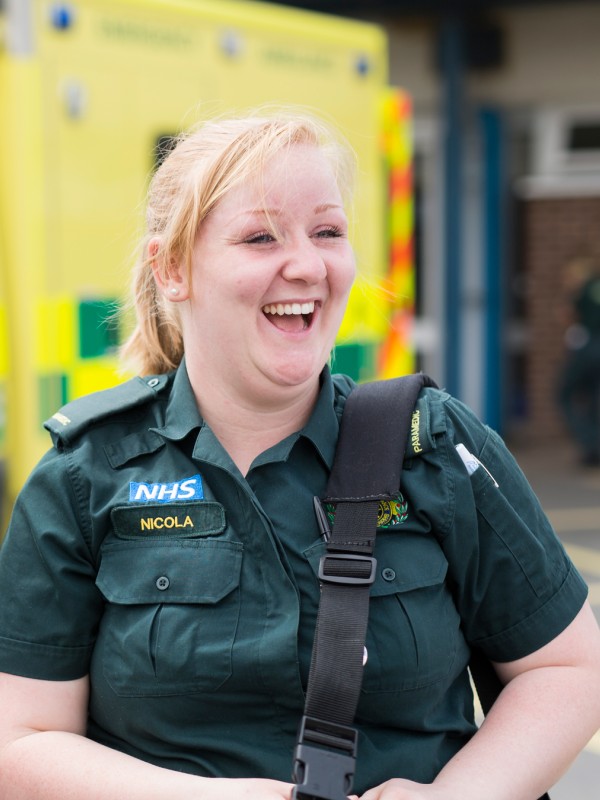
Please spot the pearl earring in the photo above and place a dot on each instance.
(174, 291)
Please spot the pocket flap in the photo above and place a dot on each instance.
(405, 561)
(162, 571)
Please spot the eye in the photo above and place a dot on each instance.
(262, 237)
(330, 232)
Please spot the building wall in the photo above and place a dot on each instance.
(558, 233)
(551, 56)
(551, 61)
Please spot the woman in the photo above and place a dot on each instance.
(158, 583)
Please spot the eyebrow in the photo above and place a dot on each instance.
(274, 212)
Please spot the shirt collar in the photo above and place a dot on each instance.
(182, 416)
(323, 426)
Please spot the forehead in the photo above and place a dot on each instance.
(298, 175)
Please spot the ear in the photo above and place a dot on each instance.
(170, 280)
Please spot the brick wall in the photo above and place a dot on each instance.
(557, 233)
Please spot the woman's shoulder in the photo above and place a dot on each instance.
(84, 413)
(436, 412)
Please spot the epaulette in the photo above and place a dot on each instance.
(427, 422)
(75, 417)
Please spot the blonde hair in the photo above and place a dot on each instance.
(204, 165)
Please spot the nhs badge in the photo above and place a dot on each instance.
(185, 489)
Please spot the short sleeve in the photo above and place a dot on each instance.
(50, 605)
(516, 588)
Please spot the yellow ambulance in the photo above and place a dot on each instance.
(90, 93)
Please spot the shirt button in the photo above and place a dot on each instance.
(153, 382)
(388, 574)
(162, 583)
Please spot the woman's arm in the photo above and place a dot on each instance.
(44, 755)
(548, 710)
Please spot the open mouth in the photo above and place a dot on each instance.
(290, 317)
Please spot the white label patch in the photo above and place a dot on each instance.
(185, 489)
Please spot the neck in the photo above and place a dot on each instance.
(247, 427)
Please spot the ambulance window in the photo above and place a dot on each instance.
(162, 147)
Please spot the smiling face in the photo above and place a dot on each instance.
(272, 269)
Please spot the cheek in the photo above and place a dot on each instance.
(248, 285)
(345, 274)
(245, 294)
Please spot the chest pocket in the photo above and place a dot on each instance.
(413, 623)
(171, 616)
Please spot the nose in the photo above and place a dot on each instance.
(304, 261)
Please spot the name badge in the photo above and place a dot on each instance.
(181, 520)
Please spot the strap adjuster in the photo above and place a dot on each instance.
(346, 568)
(324, 760)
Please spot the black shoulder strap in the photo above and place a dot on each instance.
(367, 469)
(368, 466)
(372, 440)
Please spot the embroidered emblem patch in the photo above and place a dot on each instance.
(389, 514)
(185, 489)
(392, 512)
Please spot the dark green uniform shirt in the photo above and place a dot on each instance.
(137, 552)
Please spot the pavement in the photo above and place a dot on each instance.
(570, 496)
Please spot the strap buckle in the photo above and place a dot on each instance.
(324, 760)
(357, 571)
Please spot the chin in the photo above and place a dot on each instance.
(294, 374)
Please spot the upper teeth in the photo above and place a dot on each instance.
(289, 308)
